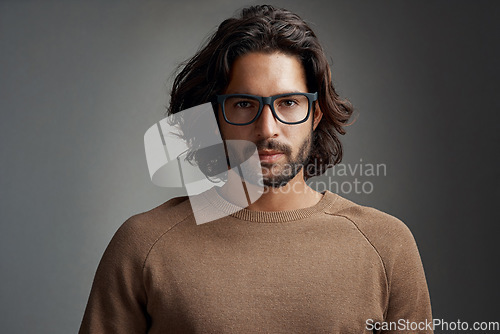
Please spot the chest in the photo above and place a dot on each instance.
(316, 282)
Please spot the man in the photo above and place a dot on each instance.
(294, 260)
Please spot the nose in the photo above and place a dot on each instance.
(266, 126)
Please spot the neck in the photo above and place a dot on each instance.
(296, 194)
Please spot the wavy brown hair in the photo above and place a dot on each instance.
(266, 29)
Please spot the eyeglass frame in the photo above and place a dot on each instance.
(311, 97)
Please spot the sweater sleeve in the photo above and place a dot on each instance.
(409, 303)
(408, 307)
(117, 302)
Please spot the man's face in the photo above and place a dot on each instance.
(283, 149)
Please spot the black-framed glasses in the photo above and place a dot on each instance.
(244, 109)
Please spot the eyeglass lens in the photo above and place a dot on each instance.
(289, 108)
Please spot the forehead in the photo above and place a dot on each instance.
(266, 74)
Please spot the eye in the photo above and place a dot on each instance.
(288, 103)
(243, 104)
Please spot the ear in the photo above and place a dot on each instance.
(318, 114)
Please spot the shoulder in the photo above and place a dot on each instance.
(161, 218)
(387, 234)
(138, 234)
(397, 249)
(370, 221)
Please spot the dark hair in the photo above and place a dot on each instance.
(267, 29)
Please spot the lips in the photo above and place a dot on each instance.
(270, 156)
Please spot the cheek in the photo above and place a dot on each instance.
(223, 126)
(236, 132)
(298, 135)
(229, 131)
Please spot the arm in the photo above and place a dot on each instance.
(117, 302)
(407, 297)
(409, 300)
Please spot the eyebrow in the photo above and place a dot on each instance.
(287, 92)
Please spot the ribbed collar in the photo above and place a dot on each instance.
(213, 197)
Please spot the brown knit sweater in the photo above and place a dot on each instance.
(324, 269)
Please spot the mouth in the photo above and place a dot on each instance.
(270, 156)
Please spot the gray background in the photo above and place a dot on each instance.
(81, 81)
